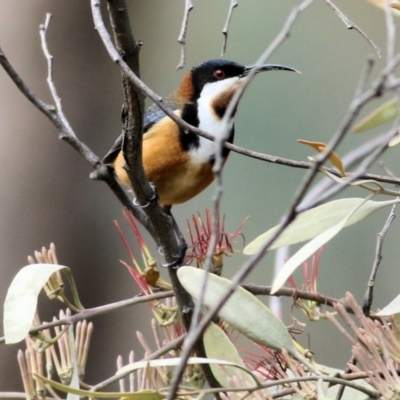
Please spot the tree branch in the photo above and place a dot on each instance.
(351, 25)
(233, 4)
(368, 297)
(182, 35)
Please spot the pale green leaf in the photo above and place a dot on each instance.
(392, 308)
(218, 346)
(21, 300)
(385, 113)
(141, 395)
(308, 250)
(242, 310)
(313, 222)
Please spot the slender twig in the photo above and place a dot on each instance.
(351, 25)
(390, 32)
(368, 297)
(318, 298)
(182, 35)
(94, 312)
(225, 30)
(43, 30)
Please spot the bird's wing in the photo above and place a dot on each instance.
(152, 115)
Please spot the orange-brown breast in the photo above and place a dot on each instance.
(185, 90)
(176, 177)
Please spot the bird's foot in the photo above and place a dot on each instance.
(153, 198)
(178, 258)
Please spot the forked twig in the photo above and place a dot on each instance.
(351, 25)
(368, 297)
(225, 30)
(182, 35)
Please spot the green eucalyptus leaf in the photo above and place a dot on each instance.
(218, 346)
(308, 250)
(385, 113)
(21, 300)
(313, 222)
(242, 310)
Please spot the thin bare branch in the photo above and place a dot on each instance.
(390, 32)
(368, 297)
(296, 294)
(351, 25)
(233, 4)
(182, 35)
(50, 82)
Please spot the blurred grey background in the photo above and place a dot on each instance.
(46, 194)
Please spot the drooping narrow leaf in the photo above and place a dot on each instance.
(333, 157)
(384, 113)
(313, 222)
(308, 250)
(242, 310)
(21, 300)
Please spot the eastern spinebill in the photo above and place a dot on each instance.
(179, 163)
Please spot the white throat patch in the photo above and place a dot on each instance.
(209, 121)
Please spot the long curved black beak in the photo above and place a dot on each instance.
(268, 67)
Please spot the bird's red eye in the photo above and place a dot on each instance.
(219, 74)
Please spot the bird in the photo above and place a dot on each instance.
(178, 162)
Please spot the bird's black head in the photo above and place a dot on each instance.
(213, 71)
